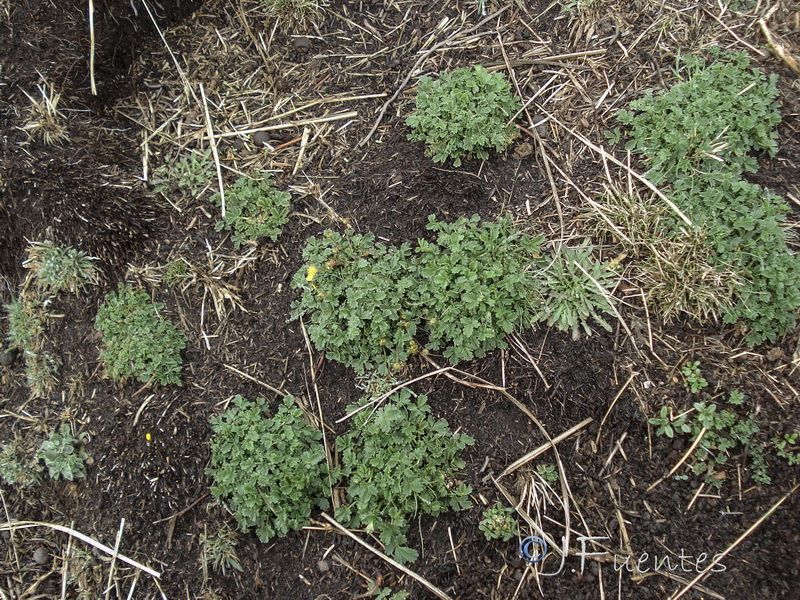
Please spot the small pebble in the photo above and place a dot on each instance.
(302, 43)
(7, 358)
(261, 138)
(323, 566)
(523, 150)
(41, 556)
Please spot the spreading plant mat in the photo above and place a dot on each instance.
(399, 299)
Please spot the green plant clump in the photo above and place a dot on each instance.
(708, 123)
(16, 468)
(298, 12)
(386, 593)
(359, 296)
(25, 324)
(700, 137)
(219, 550)
(478, 284)
(549, 473)
(253, 209)
(62, 454)
(724, 431)
(271, 471)
(400, 463)
(139, 342)
(498, 523)
(570, 297)
(745, 226)
(58, 268)
(464, 113)
(188, 173)
(692, 377)
(786, 448)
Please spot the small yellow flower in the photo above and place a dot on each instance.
(148, 437)
(312, 271)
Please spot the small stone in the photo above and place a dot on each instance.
(41, 556)
(301, 43)
(7, 358)
(323, 566)
(523, 150)
(261, 138)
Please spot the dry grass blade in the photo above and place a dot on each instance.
(14, 525)
(213, 143)
(429, 586)
(377, 401)
(544, 447)
(682, 460)
(45, 120)
(779, 48)
(114, 557)
(677, 269)
(329, 453)
(607, 156)
(729, 549)
(271, 388)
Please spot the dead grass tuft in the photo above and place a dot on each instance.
(674, 266)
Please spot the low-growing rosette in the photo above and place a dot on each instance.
(464, 114)
(270, 471)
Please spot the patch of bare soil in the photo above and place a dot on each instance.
(316, 92)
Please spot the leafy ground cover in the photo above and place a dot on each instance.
(648, 352)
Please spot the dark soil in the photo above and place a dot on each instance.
(149, 444)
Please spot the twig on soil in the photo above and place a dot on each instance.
(114, 558)
(187, 86)
(729, 549)
(213, 143)
(736, 37)
(65, 568)
(517, 343)
(623, 529)
(545, 447)
(301, 155)
(617, 447)
(91, 48)
(336, 117)
(14, 525)
(183, 511)
(432, 588)
(683, 459)
(258, 381)
(699, 491)
(778, 48)
(613, 402)
(700, 588)
(328, 452)
(453, 550)
(11, 532)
